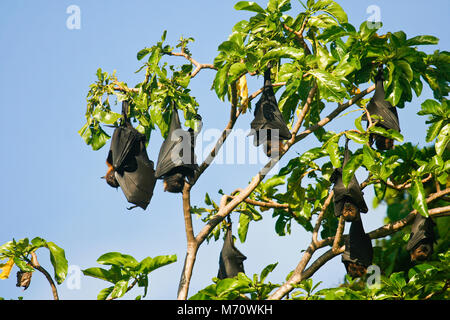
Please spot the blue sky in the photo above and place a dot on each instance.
(51, 184)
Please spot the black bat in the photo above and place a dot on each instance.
(422, 237)
(358, 252)
(380, 107)
(231, 260)
(268, 126)
(349, 201)
(176, 160)
(128, 164)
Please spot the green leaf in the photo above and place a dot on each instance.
(369, 157)
(358, 124)
(430, 106)
(104, 293)
(442, 140)
(333, 151)
(59, 261)
(398, 279)
(330, 86)
(268, 269)
(149, 264)
(350, 168)
(422, 40)
(282, 52)
(98, 138)
(244, 220)
(38, 242)
(120, 288)
(434, 130)
(23, 265)
(391, 133)
(117, 259)
(236, 71)
(106, 117)
(141, 54)
(332, 8)
(249, 6)
(406, 68)
(100, 273)
(380, 190)
(357, 137)
(418, 195)
(220, 81)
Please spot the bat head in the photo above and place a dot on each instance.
(111, 178)
(355, 270)
(174, 183)
(422, 251)
(350, 211)
(381, 142)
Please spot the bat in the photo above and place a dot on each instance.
(380, 107)
(268, 126)
(422, 237)
(231, 260)
(358, 252)
(176, 159)
(24, 279)
(349, 201)
(128, 164)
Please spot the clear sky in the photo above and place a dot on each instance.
(51, 184)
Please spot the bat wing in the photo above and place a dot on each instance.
(138, 185)
(171, 153)
(382, 108)
(267, 114)
(358, 247)
(121, 150)
(231, 260)
(421, 229)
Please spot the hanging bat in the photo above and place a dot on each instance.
(358, 252)
(422, 237)
(380, 107)
(176, 160)
(268, 126)
(24, 279)
(349, 201)
(231, 260)
(128, 164)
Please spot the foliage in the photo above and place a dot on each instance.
(19, 253)
(124, 268)
(240, 287)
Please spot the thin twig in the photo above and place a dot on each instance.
(198, 66)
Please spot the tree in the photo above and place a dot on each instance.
(317, 57)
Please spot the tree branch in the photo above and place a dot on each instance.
(35, 264)
(334, 113)
(300, 274)
(198, 66)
